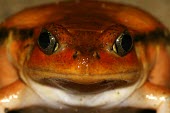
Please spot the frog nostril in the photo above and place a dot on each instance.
(96, 55)
(76, 54)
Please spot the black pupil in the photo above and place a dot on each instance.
(126, 42)
(44, 39)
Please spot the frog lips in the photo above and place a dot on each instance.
(84, 88)
(90, 84)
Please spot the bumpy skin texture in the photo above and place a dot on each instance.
(84, 71)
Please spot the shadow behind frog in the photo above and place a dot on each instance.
(80, 110)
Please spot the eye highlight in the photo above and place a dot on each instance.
(47, 42)
(123, 44)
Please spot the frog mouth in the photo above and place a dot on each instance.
(84, 88)
(85, 83)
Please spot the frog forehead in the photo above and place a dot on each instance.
(84, 40)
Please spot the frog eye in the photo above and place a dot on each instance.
(123, 44)
(47, 42)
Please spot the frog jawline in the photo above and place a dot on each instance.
(57, 98)
(128, 76)
(72, 87)
(99, 84)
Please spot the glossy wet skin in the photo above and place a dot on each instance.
(107, 54)
(84, 57)
(85, 51)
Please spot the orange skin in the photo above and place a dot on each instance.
(84, 55)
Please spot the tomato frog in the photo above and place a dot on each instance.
(84, 54)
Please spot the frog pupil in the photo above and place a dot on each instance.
(126, 42)
(44, 39)
(123, 44)
(47, 42)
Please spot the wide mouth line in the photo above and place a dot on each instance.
(74, 74)
(54, 72)
(84, 83)
(84, 79)
(72, 87)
